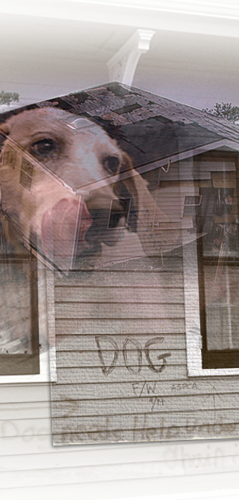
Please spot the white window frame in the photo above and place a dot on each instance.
(46, 324)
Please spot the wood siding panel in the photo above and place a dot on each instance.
(123, 311)
(119, 295)
(84, 342)
(65, 327)
(94, 375)
(87, 359)
(109, 387)
(130, 403)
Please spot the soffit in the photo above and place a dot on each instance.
(97, 42)
(188, 15)
(62, 38)
(179, 49)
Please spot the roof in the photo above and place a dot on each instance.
(150, 128)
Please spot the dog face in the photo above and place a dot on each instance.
(77, 154)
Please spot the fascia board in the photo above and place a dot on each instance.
(191, 17)
(192, 7)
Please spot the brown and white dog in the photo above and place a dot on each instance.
(59, 175)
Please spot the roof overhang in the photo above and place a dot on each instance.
(163, 163)
(213, 18)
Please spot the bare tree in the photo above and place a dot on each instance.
(225, 110)
(8, 97)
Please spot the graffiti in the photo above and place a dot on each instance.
(149, 389)
(179, 458)
(11, 428)
(142, 388)
(132, 352)
(156, 402)
(212, 458)
(184, 386)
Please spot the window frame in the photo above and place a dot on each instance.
(227, 356)
(45, 294)
(194, 338)
(46, 326)
(21, 363)
(194, 318)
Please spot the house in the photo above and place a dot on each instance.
(144, 338)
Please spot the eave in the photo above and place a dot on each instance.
(208, 18)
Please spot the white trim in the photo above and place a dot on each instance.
(212, 18)
(192, 318)
(189, 7)
(46, 332)
(215, 495)
(123, 64)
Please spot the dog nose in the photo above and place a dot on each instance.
(111, 164)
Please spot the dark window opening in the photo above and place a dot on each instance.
(191, 203)
(117, 213)
(219, 312)
(218, 265)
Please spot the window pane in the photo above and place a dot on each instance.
(219, 272)
(19, 344)
(222, 306)
(15, 307)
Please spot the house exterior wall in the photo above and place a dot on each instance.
(144, 407)
(30, 466)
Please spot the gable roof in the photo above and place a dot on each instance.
(153, 130)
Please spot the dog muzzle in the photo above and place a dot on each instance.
(63, 231)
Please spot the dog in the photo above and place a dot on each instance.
(71, 191)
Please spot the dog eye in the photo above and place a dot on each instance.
(111, 163)
(43, 148)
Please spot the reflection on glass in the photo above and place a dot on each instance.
(15, 308)
(19, 345)
(219, 270)
(222, 306)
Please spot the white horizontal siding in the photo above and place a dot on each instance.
(31, 468)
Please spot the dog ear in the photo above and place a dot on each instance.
(4, 129)
(126, 189)
(146, 217)
(4, 132)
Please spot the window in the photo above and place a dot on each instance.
(26, 287)
(211, 276)
(190, 205)
(116, 214)
(9, 157)
(219, 310)
(19, 337)
(26, 174)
